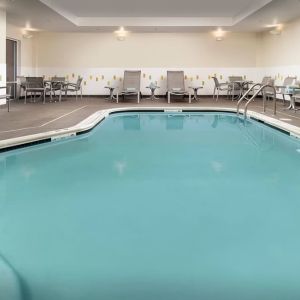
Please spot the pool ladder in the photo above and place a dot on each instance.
(260, 90)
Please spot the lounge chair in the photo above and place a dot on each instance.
(131, 85)
(176, 86)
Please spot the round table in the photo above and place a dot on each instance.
(195, 89)
(152, 88)
(241, 86)
(293, 95)
(111, 92)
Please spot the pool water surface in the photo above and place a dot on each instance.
(153, 206)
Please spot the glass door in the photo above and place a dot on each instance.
(11, 65)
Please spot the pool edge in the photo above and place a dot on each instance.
(93, 120)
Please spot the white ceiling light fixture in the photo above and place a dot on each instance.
(276, 29)
(219, 34)
(27, 35)
(121, 34)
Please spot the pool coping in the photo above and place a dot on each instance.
(93, 120)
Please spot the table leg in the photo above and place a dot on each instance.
(152, 97)
(195, 95)
(292, 104)
(111, 94)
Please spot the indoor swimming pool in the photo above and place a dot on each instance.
(153, 206)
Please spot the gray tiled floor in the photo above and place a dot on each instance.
(37, 117)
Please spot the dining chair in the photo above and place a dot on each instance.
(73, 88)
(35, 85)
(225, 86)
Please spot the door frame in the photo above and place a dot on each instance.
(17, 57)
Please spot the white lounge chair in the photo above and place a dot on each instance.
(176, 86)
(131, 85)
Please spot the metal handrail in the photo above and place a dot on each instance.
(262, 87)
(245, 95)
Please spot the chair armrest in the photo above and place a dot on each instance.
(72, 84)
(226, 84)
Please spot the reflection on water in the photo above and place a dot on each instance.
(131, 122)
(219, 119)
(153, 206)
(12, 285)
(120, 167)
(175, 122)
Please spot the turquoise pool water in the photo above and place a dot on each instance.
(153, 206)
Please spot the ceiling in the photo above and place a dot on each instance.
(154, 8)
(149, 15)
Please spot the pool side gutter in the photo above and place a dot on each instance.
(89, 123)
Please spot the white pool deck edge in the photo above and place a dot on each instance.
(91, 121)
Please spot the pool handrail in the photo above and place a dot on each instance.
(262, 87)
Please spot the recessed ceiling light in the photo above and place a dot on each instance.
(121, 34)
(219, 34)
(27, 35)
(273, 25)
(276, 31)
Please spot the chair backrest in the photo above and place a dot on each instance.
(132, 80)
(35, 82)
(288, 81)
(60, 79)
(79, 82)
(216, 81)
(235, 78)
(266, 79)
(175, 80)
(269, 81)
(21, 79)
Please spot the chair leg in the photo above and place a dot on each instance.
(283, 99)
(44, 97)
(25, 100)
(169, 98)
(117, 97)
(214, 94)
(76, 95)
(81, 93)
(218, 93)
(190, 98)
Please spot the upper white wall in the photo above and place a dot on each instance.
(282, 50)
(26, 59)
(148, 50)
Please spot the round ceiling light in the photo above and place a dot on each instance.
(121, 34)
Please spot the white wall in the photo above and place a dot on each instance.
(280, 55)
(26, 60)
(148, 50)
(2, 53)
(101, 59)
